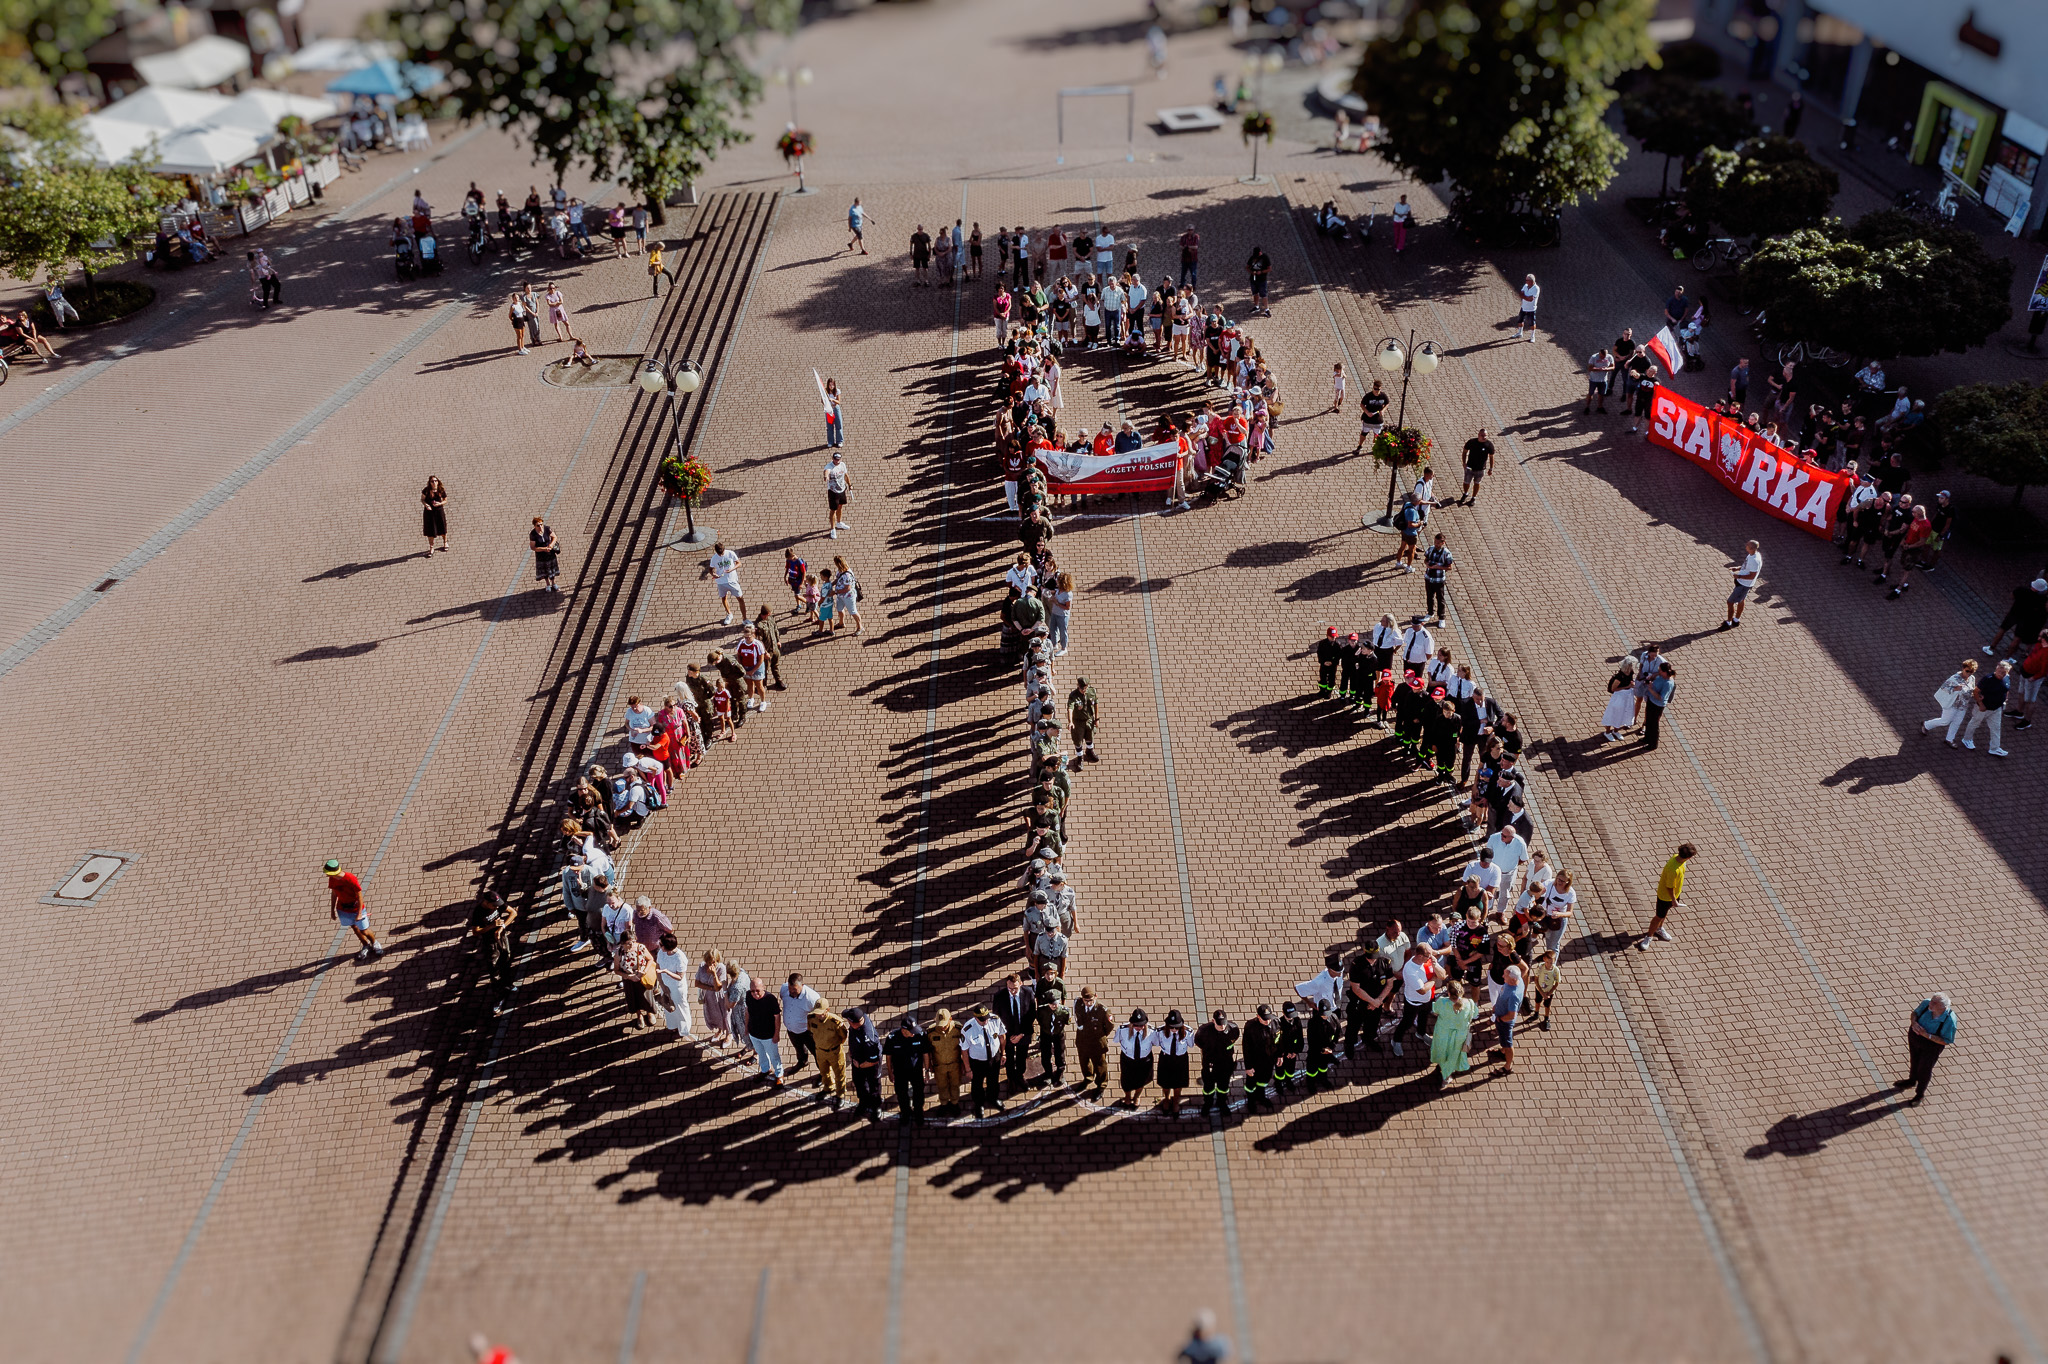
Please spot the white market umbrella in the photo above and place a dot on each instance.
(257, 111)
(114, 140)
(164, 109)
(205, 151)
(340, 54)
(203, 62)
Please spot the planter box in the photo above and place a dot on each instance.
(325, 171)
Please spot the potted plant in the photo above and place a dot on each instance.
(795, 144)
(1399, 447)
(1258, 127)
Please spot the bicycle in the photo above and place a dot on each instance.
(1717, 251)
(1797, 352)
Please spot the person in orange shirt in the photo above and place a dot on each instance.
(345, 906)
(1105, 440)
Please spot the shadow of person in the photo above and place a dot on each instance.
(1369, 1112)
(1809, 1134)
(1863, 775)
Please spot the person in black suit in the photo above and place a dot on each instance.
(1016, 1003)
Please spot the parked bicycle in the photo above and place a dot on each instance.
(1799, 352)
(1719, 251)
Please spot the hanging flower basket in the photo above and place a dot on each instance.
(686, 479)
(1400, 446)
(1258, 123)
(795, 145)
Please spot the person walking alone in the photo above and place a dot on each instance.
(1525, 326)
(547, 553)
(1928, 1035)
(856, 226)
(434, 514)
(1670, 890)
(835, 418)
(345, 906)
(838, 490)
(1746, 574)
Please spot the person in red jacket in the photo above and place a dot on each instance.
(346, 907)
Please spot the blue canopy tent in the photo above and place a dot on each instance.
(385, 79)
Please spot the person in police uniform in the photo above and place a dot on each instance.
(1092, 1028)
(1084, 712)
(1329, 652)
(1216, 1040)
(1368, 985)
(1261, 1050)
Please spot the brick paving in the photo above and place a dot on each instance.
(409, 696)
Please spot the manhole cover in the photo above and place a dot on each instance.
(604, 371)
(1192, 118)
(95, 871)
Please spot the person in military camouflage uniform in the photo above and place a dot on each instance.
(1216, 1040)
(1092, 1029)
(490, 927)
(1261, 1052)
(1329, 652)
(1084, 713)
(1053, 1018)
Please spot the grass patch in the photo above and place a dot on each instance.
(117, 298)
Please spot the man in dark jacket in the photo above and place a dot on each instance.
(1216, 1040)
(1016, 1004)
(765, 628)
(1329, 652)
(910, 1055)
(1261, 1049)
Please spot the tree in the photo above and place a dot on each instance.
(1507, 97)
(1767, 187)
(1999, 431)
(55, 33)
(644, 89)
(1690, 60)
(59, 211)
(1674, 117)
(1894, 285)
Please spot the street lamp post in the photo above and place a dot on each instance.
(1410, 359)
(677, 379)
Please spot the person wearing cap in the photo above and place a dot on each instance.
(828, 1043)
(1416, 645)
(1084, 712)
(1053, 1015)
(1136, 1043)
(945, 1039)
(1176, 1041)
(1291, 1038)
(1349, 661)
(1216, 1040)
(345, 906)
(1326, 983)
(1329, 652)
(1261, 1051)
(1321, 1046)
(2025, 618)
(864, 1049)
(982, 1040)
(1092, 1030)
(909, 1054)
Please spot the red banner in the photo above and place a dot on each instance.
(1149, 469)
(1772, 479)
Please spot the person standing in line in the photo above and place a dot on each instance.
(1556, 904)
(634, 966)
(1928, 1035)
(1404, 214)
(1261, 1051)
(771, 635)
(1746, 574)
(751, 653)
(1175, 1040)
(1092, 1030)
(1525, 327)
(1330, 653)
(856, 226)
(1478, 464)
(1507, 1003)
(1053, 1015)
(910, 1055)
(1657, 694)
(345, 906)
(1436, 564)
(1060, 605)
(1216, 1040)
(1020, 260)
(764, 1031)
(982, 1040)
(1418, 990)
(712, 979)
(1136, 1043)
(1000, 309)
(1986, 705)
(1368, 989)
(1451, 1039)
(434, 514)
(1599, 380)
(1670, 893)
(944, 1039)
(864, 1049)
(828, 1037)
(725, 572)
(799, 1001)
(838, 489)
(1016, 1004)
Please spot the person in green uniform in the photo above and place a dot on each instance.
(1084, 712)
(1092, 1029)
(1053, 1018)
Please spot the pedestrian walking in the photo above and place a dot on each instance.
(838, 487)
(1986, 707)
(490, 927)
(1404, 217)
(1928, 1035)
(2025, 618)
(764, 1030)
(345, 906)
(864, 1049)
(1084, 713)
(1525, 326)
(909, 1053)
(1136, 1044)
(1670, 895)
(2026, 683)
(982, 1040)
(434, 514)
(1746, 574)
(1478, 464)
(724, 566)
(1656, 700)
(856, 226)
(1450, 1039)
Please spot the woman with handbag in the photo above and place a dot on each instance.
(634, 966)
(1953, 696)
(711, 982)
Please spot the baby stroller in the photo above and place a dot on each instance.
(408, 265)
(1226, 477)
(430, 254)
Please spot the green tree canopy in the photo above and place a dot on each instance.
(645, 89)
(59, 211)
(1999, 431)
(54, 33)
(1506, 97)
(1895, 284)
(1769, 187)
(1674, 117)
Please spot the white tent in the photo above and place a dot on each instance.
(340, 54)
(201, 63)
(257, 111)
(114, 140)
(205, 151)
(165, 110)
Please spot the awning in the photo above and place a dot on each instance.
(165, 109)
(203, 62)
(113, 140)
(205, 151)
(257, 111)
(384, 78)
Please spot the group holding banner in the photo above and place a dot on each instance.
(1768, 476)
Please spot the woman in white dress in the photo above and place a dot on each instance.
(1052, 386)
(1621, 702)
(672, 979)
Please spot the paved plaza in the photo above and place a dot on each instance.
(269, 1151)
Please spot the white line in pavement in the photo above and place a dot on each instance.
(1997, 1283)
(630, 1336)
(218, 495)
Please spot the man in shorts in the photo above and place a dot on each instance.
(838, 487)
(1408, 519)
(725, 569)
(920, 254)
(1478, 464)
(856, 227)
(1599, 379)
(1746, 574)
(1670, 886)
(346, 907)
(2026, 683)
(752, 654)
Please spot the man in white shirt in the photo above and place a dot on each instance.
(798, 1000)
(1599, 379)
(1416, 645)
(1510, 850)
(981, 1041)
(1746, 574)
(1328, 986)
(1022, 575)
(1531, 291)
(1105, 253)
(838, 483)
(725, 569)
(618, 919)
(1418, 992)
(1482, 870)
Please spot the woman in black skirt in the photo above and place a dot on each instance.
(1136, 1041)
(1174, 1041)
(547, 553)
(434, 514)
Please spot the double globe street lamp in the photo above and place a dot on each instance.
(678, 379)
(1408, 359)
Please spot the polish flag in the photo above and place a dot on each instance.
(1664, 345)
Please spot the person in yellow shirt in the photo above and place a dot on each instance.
(654, 268)
(1670, 886)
